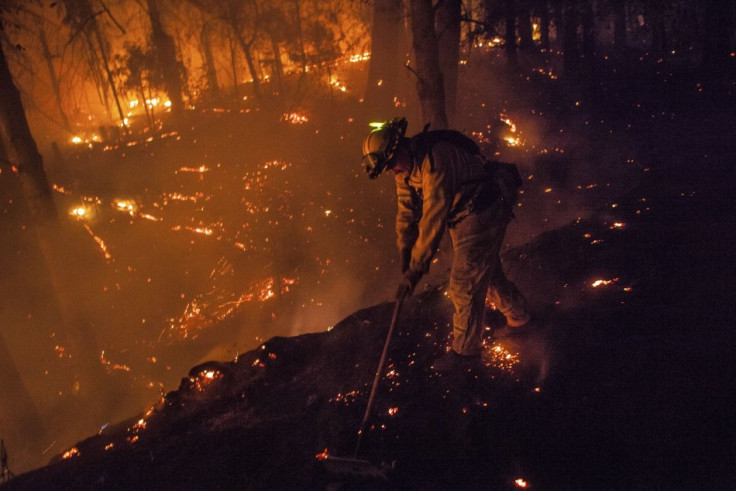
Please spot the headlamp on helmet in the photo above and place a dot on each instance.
(380, 145)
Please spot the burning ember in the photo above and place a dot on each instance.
(598, 283)
(294, 118)
(72, 452)
(521, 483)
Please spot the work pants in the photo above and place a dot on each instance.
(476, 271)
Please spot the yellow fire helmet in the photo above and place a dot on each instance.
(380, 144)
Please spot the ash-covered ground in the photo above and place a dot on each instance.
(215, 234)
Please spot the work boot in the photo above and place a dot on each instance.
(452, 362)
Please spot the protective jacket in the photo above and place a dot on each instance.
(447, 182)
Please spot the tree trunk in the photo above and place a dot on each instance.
(570, 40)
(213, 87)
(544, 24)
(429, 76)
(278, 67)
(589, 36)
(526, 34)
(19, 416)
(54, 79)
(510, 36)
(383, 68)
(234, 67)
(245, 48)
(108, 71)
(299, 34)
(619, 25)
(166, 58)
(448, 38)
(64, 263)
(716, 46)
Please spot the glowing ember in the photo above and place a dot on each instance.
(497, 356)
(393, 411)
(322, 455)
(72, 452)
(78, 212)
(201, 169)
(521, 483)
(100, 242)
(598, 283)
(294, 118)
(126, 205)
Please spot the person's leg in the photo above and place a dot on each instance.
(476, 242)
(506, 297)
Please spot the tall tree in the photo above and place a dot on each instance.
(719, 21)
(570, 61)
(46, 52)
(213, 86)
(510, 35)
(619, 25)
(165, 51)
(82, 18)
(544, 17)
(62, 260)
(383, 68)
(429, 75)
(448, 37)
(526, 31)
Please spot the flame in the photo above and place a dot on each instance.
(72, 452)
(294, 118)
(521, 483)
(598, 283)
(322, 455)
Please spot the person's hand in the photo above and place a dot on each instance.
(411, 278)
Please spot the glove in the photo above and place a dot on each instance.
(411, 278)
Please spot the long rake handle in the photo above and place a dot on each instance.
(379, 370)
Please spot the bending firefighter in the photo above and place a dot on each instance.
(443, 181)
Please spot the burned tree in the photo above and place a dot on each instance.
(165, 52)
(63, 262)
(430, 86)
(384, 65)
(83, 20)
(448, 40)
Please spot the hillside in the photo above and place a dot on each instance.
(626, 383)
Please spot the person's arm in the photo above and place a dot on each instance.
(437, 183)
(407, 219)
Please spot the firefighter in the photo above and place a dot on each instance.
(443, 181)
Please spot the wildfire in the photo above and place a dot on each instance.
(360, 57)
